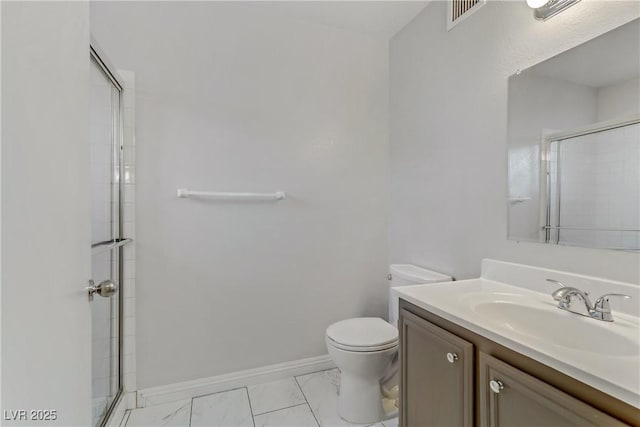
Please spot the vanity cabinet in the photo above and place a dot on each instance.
(439, 373)
(451, 376)
(510, 397)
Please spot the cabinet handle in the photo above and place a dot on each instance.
(452, 357)
(496, 386)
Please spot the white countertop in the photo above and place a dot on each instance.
(604, 355)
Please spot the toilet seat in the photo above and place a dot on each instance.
(362, 334)
(362, 349)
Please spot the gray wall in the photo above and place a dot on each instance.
(448, 135)
(232, 98)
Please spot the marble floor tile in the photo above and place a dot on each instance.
(321, 391)
(275, 395)
(307, 400)
(225, 409)
(393, 422)
(295, 416)
(173, 414)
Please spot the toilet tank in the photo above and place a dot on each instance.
(407, 275)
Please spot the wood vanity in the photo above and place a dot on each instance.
(451, 376)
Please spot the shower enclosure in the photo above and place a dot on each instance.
(106, 234)
(593, 186)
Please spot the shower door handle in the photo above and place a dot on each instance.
(106, 288)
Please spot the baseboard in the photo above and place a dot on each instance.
(190, 389)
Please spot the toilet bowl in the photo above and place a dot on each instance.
(363, 349)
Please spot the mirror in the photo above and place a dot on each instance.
(574, 145)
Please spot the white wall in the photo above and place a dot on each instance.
(538, 104)
(448, 135)
(234, 100)
(619, 100)
(46, 329)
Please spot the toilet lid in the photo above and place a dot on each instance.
(364, 332)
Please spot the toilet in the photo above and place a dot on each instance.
(363, 349)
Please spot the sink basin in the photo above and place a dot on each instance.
(526, 319)
(547, 323)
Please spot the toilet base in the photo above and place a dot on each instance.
(360, 400)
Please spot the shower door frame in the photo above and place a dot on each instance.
(101, 60)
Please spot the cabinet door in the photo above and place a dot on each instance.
(518, 399)
(436, 375)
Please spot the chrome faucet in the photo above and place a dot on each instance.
(601, 310)
(565, 296)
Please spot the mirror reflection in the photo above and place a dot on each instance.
(574, 145)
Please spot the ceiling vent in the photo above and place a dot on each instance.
(459, 10)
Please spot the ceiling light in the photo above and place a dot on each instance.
(535, 4)
(545, 9)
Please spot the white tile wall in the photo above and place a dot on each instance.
(102, 156)
(600, 187)
(102, 373)
(129, 230)
(104, 206)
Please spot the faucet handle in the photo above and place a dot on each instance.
(604, 299)
(556, 282)
(558, 294)
(602, 308)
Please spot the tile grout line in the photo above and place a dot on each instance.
(282, 409)
(253, 418)
(301, 390)
(307, 400)
(317, 372)
(191, 412)
(218, 392)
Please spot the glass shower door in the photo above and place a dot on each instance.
(105, 234)
(594, 188)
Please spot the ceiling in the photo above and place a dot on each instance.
(611, 58)
(377, 18)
